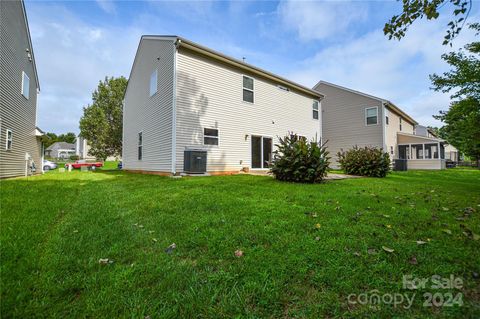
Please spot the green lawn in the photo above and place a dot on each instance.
(56, 227)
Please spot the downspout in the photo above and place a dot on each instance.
(321, 119)
(384, 129)
(174, 107)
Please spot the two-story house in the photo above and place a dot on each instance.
(352, 118)
(188, 108)
(20, 146)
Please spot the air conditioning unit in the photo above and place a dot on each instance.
(195, 161)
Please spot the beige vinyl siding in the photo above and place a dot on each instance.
(425, 164)
(344, 125)
(151, 115)
(209, 94)
(17, 113)
(393, 128)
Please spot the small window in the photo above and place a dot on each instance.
(210, 136)
(247, 89)
(153, 83)
(400, 126)
(386, 120)
(25, 85)
(391, 147)
(140, 146)
(371, 115)
(8, 144)
(315, 110)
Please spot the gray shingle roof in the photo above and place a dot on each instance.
(61, 145)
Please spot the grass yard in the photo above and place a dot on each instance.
(306, 247)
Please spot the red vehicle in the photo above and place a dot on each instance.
(84, 163)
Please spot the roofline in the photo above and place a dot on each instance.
(31, 45)
(420, 136)
(386, 102)
(182, 42)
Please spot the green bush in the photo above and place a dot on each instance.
(74, 157)
(365, 161)
(298, 160)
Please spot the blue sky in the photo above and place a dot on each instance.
(78, 43)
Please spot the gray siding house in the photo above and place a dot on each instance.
(183, 98)
(20, 146)
(352, 118)
(60, 150)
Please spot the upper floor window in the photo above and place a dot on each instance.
(247, 89)
(8, 140)
(386, 120)
(25, 85)
(153, 82)
(400, 126)
(315, 110)
(210, 136)
(140, 145)
(371, 115)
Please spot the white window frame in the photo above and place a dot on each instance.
(211, 136)
(244, 88)
(8, 140)
(317, 110)
(400, 124)
(27, 95)
(139, 145)
(366, 113)
(152, 77)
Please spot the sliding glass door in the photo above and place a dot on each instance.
(261, 151)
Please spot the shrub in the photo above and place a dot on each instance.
(74, 157)
(298, 160)
(365, 161)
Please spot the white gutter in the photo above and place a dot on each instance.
(174, 108)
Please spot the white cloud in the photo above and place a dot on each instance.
(106, 5)
(72, 56)
(320, 20)
(394, 70)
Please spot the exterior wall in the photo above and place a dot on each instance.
(425, 164)
(209, 95)
(151, 115)
(17, 113)
(391, 130)
(344, 126)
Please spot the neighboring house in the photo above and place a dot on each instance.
(21, 151)
(354, 118)
(82, 150)
(451, 153)
(185, 101)
(60, 150)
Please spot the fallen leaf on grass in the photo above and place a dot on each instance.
(388, 250)
(387, 216)
(413, 260)
(105, 261)
(388, 226)
(317, 226)
(75, 231)
(238, 253)
(170, 248)
(357, 254)
(445, 209)
(372, 251)
(475, 236)
(154, 239)
(317, 238)
(447, 231)
(421, 242)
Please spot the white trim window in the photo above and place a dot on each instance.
(248, 89)
(140, 145)
(25, 85)
(371, 116)
(210, 136)
(153, 82)
(8, 140)
(315, 110)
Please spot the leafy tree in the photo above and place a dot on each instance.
(462, 120)
(101, 123)
(419, 9)
(69, 137)
(462, 126)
